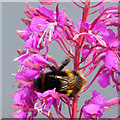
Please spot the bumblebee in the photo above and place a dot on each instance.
(67, 82)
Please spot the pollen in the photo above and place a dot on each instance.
(69, 92)
(40, 25)
(116, 14)
(48, 113)
(106, 107)
(68, 72)
(49, 56)
(56, 23)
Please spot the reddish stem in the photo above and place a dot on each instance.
(113, 79)
(97, 8)
(77, 52)
(98, 59)
(86, 56)
(82, 2)
(91, 69)
(74, 109)
(77, 4)
(58, 111)
(80, 114)
(50, 116)
(96, 4)
(69, 106)
(102, 67)
(71, 44)
(62, 47)
(80, 41)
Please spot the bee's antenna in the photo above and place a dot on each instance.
(53, 68)
(64, 63)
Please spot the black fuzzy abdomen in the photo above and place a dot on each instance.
(51, 83)
(47, 82)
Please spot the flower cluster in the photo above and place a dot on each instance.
(42, 28)
(89, 44)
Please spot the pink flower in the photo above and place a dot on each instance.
(47, 99)
(27, 74)
(111, 60)
(94, 107)
(43, 27)
(31, 59)
(92, 30)
(25, 100)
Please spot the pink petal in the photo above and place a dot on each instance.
(26, 32)
(38, 94)
(38, 24)
(19, 34)
(27, 13)
(100, 100)
(85, 25)
(95, 93)
(29, 43)
(19, 107)
(108, 36)
(111, 60)
(56, 96)
(92, 108)
(104, 80)
(31, 8)
(27, 74)
(46, 12)
(85, 50)
(22, 114)
(40, 59)
(100, 27)
(25, 83)
(27, 22)
(61, 18)
(17, 97)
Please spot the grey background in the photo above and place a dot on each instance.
(11, 14)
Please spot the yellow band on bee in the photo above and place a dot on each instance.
(68, 72)
(69, 92)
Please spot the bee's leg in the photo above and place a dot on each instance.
(53, 68)
(64, 63)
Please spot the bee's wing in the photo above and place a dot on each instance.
(67, 81)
